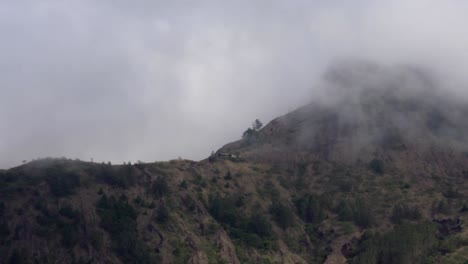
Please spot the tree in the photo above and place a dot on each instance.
(252, 133)
(377, 166)
(282, 215)
(257, 125)
(160, 187)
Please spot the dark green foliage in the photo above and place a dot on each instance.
(160, 187)
(138, 201)
(123, 176)
(310, 208)
(69, 212)
(452, 193)
(252, 135)
(118, 218)
(257, 125)
(100, 192)
(443, 206)
(162, 214)
(199, 180)
(355, 210)
(183, 184)
(228, 176)
(301, 168)
(255, 231)
(18, 257)
(320, 239)
(181, 253)
(2, 209)
(4, 229)
(451, 244)
(69, 226)
(259, 224)
(377, 166)
(224, 210)
(9, 177)
(269, 190)
(405, 244)
(283, 216)
(70, 234)
(62, 182)
(97, 240)
(403, 212)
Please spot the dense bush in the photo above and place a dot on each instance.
(160, 187)
(259, 224)
(405, 244)
(310, 208)
(255, 231)
(122, 176)
(118, 218)
(355, 210)
(2, 209)
(224, 210)
(377, 166)
(283, 216)
(62, 182)
(403, 212)
(162, 214)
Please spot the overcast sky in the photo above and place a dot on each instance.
(155, 80)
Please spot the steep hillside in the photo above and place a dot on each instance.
(375, 173)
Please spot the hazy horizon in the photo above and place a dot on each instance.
(119, 81)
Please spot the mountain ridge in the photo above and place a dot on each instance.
(346, 179)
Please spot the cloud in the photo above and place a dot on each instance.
(154, 80)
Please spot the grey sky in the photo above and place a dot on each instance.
(153, 80)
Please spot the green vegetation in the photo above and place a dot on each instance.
(62, 182)
(118, 218)
(405, 244)
(355, 210)
(404, 212)
(377, 166)
(310, 208)
(255, 231)
(160, 187)
(123, 176)
(252, 135)
(162, 214)
(283, 216)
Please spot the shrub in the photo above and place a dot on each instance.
(160, 187)
(405, 244)
(228, 176)
(260, 225)
(310, 209)
(162, 214)
(377, 166)
(282, 215)
(118, 218)
(69, 212)
(62, 183)
(403, 212)
(2, 209)
(224, 210)
(123, 177)
(356, 211)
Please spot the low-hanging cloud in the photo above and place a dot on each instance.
(154, 80)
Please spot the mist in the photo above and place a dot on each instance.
(151, 80)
